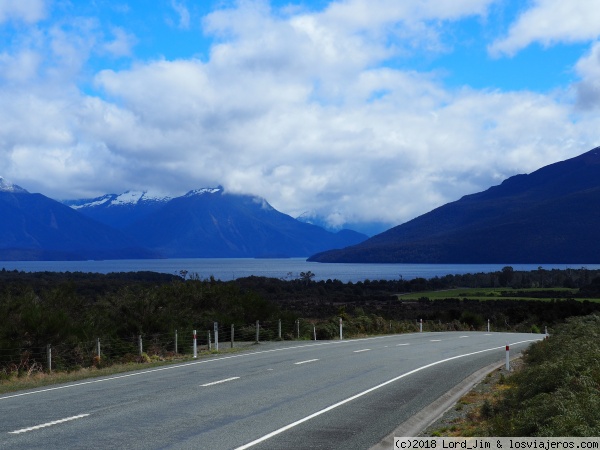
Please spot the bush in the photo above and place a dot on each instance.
(557, 393)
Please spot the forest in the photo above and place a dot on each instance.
(73, 312)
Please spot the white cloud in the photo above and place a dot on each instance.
(183, 13)
(588, 89)
(29, 11)
(298, 108)
(550, 22)
(121, 45)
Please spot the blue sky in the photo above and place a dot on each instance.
(354, 111)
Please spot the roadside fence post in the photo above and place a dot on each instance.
(176, 342)
(257, 332)
(507, 358)
(341, 333)
(315, 332)
(279, 329)
(546, 331)
(140, 344)
(195, 344)
(297, 328)
(216, 325)
(209, 343)
(49, 356)
(421, 326)
(232, 332)
(488, 325)
(98, 347)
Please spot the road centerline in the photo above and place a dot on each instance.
(48, 424)
(219, 381)
(305, 362)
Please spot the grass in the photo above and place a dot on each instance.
(41, 379)
(471, 413)
(492, 294)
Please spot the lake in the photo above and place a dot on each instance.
(231, 268)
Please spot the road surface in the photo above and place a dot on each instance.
(320, 394)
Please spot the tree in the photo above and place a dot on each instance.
(307, 277)
(506, 276)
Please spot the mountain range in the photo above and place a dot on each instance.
(202, 223)
(549, 216)
(35, 227)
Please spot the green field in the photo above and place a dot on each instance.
(497, 294)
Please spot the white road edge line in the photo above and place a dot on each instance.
(354, 397)
(49, 424)
(220, 381)
(363, 350)
(305, 362)
(178, 366)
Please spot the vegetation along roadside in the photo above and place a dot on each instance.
(72, 315)
(553, 391)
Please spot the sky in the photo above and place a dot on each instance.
(355, 112)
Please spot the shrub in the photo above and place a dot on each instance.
(557, 393)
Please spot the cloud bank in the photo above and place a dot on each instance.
(312, 109)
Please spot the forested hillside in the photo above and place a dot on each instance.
(70, 311)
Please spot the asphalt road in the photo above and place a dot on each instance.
(325, 394)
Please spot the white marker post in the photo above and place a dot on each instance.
(507, 358)
(341, 333)
(195, 344)
(421, 326)
(488, 325)
(315, 332)
(216, 336)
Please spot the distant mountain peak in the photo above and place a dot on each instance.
(127, 198)
(134, 197)
(204, 191)
(7, 186)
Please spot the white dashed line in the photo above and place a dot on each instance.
(49, 424)
(400, 345)
(305, 362)
(435, 340)
(220, 381)
(363, 350)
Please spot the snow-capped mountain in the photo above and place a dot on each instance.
(124, 199)
(7, 186)
(119, 210)
(208, 222)
(35, 227)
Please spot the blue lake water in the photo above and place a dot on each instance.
(229, 269)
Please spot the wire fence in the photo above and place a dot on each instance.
(184, 343)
